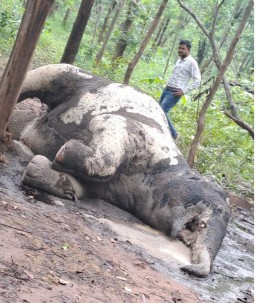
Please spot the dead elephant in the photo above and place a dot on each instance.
(106, 140)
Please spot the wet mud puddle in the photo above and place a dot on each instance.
(231, 279)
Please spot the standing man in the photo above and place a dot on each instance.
(186, 69)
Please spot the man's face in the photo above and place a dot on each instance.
(183, 51)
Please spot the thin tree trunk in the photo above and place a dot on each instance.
(98, 13)
(160, 29)
(231, 102)
(160, 39)
(151, 29)
(11, 82)
(170, 54)
(122, 42)
(111, 27)
(77, 32)
(105, 23)
(66, 17)
(201, 51)
(235, 15)
(222, 70)
(247, 61)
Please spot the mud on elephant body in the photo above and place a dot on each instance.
(110, 141)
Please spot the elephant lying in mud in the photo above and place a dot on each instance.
(105, 140)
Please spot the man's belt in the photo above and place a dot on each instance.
(171, 88)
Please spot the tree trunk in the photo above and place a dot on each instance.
(160, 29)
(105, 23)
(111, 27)
(248, 60)
(151, 29)
(77, 32)
(122, 42)
(170, 54)
(222, 70)
(234, 16)
(161, 36)
(231, 102)
(202, 47)
(30, 28)
(98, 13)
(53, 9)
(66, 17)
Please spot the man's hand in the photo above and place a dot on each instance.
(178, 92)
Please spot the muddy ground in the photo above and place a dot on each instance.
(55, 250)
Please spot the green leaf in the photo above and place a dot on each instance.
(64, 246)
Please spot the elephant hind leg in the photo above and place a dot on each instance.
(39, 174)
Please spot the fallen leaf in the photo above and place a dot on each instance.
(64, 246)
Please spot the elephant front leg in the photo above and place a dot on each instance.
(86, 163)
(101, 159)
(39, 174)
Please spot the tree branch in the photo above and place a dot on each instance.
(194, 17)
(245, 88)
(217, 8)
(241, 123)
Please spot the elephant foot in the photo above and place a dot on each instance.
(39, 174)
(201, 266)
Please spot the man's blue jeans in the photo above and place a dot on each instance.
(167, 102)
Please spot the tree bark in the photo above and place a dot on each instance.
(160, 29)
(161, 37)
(222, 70)
(111, 27)
(123, 42)
(105, 23)
(160, 34)
(30, 28)
(77, 32)
(65, 19)
(170, 54)
(98, 14)
(202, 47)
(151, 29)
(231, 102)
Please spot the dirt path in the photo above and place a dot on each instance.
(54, 250)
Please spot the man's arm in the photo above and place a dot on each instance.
(195, 76)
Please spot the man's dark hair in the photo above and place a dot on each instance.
(186, 42)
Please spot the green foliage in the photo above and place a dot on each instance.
(10, 18)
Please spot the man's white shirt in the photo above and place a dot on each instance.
(185, 70)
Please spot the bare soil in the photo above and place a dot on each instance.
(55, 250)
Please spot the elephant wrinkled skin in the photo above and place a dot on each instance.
(106, 140)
